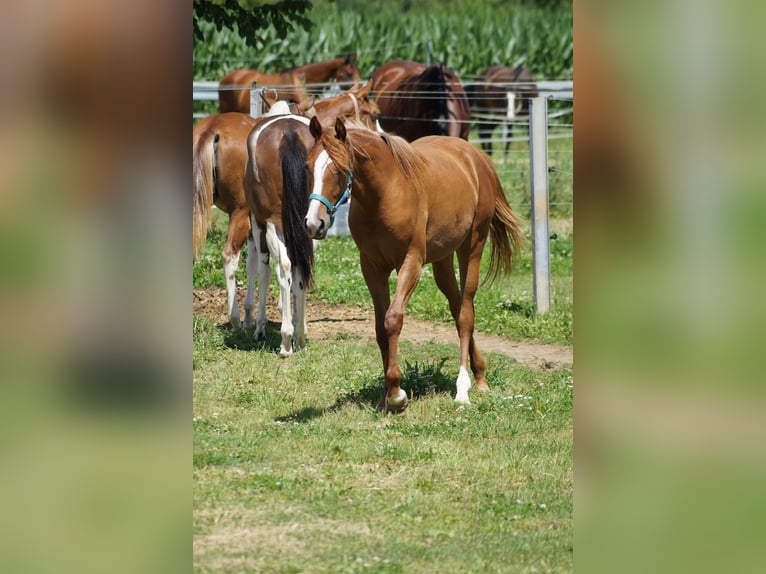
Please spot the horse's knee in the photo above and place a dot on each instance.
(393, 323)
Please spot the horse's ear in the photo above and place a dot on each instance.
(351, 59)
(340, 129)
(365, 90)
(315, 128)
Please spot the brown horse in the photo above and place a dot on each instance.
(234, 88)
(218, 159)
(276, 193)
(288, 83)
(342, 70)
(500, 95)
(416, 100)
(414, 204)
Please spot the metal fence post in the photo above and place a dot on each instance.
(538, 160)
(255, 101)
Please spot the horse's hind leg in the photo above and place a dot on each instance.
(444, 276)
(469, 280)
(264, 277)
(239, 228)
(285, 278)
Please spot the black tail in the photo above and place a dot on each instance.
(295, 204)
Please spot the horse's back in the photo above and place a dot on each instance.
(460, 187)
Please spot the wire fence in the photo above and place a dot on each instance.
(508, 141)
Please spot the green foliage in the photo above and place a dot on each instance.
(249, 17)
(466, 41)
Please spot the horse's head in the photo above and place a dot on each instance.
(330, 176)
(347, 71)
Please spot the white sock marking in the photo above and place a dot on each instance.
(463, 384)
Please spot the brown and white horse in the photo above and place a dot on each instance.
(414, 204)
(219, 158)
(416, 100)
(277, 195)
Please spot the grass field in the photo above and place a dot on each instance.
(294, 471)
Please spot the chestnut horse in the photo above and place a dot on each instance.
(416, 100)
(219, 157)
(277, 195)
(500, 95)
(342, 70)
(234, 88)
(414, 204)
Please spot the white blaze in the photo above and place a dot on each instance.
(321, 164)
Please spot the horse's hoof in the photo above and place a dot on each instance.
(259, 334)
(462, 398)
(234, 322)
(398, 402)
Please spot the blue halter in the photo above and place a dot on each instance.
(331, 209)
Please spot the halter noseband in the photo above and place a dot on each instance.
(331, 209)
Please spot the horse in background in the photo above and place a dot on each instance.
(288, 82)
(276, 193)
(404, 215)
(342, 70)
(288, 85)
(416, 100)
(500, 96)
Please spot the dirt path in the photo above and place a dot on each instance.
(324, 322)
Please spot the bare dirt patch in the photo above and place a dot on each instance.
(326, 322)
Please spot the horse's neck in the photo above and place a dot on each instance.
(377, 173)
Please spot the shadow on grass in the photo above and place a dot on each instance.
(418, 379)
(242, 339)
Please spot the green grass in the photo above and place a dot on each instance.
(294, 471)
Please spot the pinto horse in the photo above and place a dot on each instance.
(414, 204)
(500, 96)
(416, 100)
(277, 195)
(288, 82)
(219, 158)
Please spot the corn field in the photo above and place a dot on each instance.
(465, 42)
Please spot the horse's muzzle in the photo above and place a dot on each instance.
(316, 230)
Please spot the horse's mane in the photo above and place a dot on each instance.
(409, 160)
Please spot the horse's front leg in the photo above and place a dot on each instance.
(285, 277)
(395, 398)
